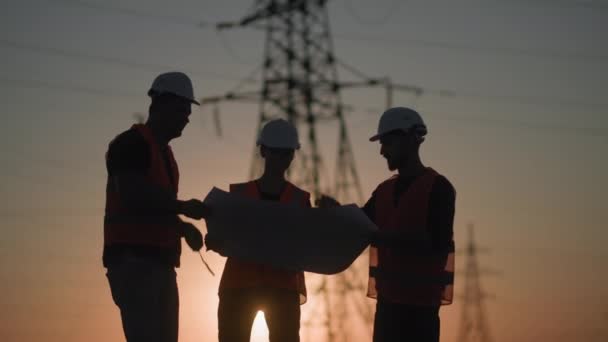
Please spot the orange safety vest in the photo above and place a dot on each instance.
(240, 274)
(416, 278)
(123, 227)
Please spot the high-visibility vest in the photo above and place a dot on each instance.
(122, 227)
(416, 277)
(240, 274)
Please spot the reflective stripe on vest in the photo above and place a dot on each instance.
(121, 226)
(418, 277)
(242, 274)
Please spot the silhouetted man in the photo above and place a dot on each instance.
(247, 287)
(412, 255)
(142, 230)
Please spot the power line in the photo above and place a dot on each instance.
(463, 119)
(393, 8)
(108, 60)
(599, 132)
(225, 43)
(135, 13)
(158, 67)
(35, 84)
(504, 98)
(516, 99)
(488, 49)
(157, 17)
(569, 4)
(396, 43)
(353, 70)
(595, 132)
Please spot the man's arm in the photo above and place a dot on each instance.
(144, 197)
(438, 238)
(141, 196)
(128, 162)
(370, 207)
(441, 216)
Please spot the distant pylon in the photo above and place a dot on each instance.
(473, 320)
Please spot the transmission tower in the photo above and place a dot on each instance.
(299, 83)
(473, 325)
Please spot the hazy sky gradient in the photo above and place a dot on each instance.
(523, 139)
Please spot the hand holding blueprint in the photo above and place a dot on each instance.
(315, 240)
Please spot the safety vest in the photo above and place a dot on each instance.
(420, 277)
(160, 232)
(240, 274)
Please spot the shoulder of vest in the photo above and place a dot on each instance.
(438, 176)
(126, 135)
(239, 187)
(432, 172)
(388, 182)
(444, 182)
(145, 133)
(139, 128)
(299, 190)
(302, 197)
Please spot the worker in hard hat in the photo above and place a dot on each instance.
(247, 287)
(412, 255)
(142, 230)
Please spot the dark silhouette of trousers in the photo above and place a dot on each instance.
(406, 323)
(147, 296)
(238, 308)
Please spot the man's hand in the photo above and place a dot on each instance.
(213, 243)
(194, 209)
(193, 236)
(326, 202)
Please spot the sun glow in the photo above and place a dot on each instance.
(259, 331)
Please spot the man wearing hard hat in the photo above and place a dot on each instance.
(412, 256)
(247, 287)
(142, 230)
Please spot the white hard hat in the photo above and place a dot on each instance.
(400, 118)
(279, 133)
(176, 83)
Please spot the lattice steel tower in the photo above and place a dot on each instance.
(300, 84)
(473, 321)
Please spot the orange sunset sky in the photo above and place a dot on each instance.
(523, 138)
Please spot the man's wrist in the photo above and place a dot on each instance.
(178, 206)
(374, 239)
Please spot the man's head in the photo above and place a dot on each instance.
(172, 96)
(400, 132)
(278, 141)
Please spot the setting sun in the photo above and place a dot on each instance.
(259, 332)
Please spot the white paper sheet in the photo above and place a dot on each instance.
(315, 240)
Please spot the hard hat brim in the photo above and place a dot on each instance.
(380, 135)
(153, 92)
(375, 137)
